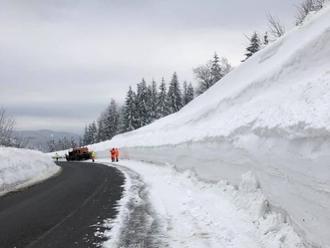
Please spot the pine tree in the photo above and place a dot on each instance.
(253, 47)
(121, 125)
(142, 104)
(130, 121)
(174, 95)
(111, 120)
(86, 136)
(80, 141)
(216, 71)
(188, 93)
(92, 129)
(153, 94)
(162, 108)
(100, 128)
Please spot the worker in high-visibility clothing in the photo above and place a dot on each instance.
(117, 154)
(93, 156)
(113, 155)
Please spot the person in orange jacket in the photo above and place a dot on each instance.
(117, 154)
(113, 154)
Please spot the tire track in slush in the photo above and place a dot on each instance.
(141, 227)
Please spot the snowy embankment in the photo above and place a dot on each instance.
(21, 167)
(270, 117)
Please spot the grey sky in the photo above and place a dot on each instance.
(61, 61)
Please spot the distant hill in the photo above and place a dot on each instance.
(38, 139)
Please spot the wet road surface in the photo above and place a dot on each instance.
(64, 211)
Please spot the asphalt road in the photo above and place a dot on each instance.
(63, 211)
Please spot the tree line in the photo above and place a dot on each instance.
(142, 106)
(63, 143)
(149, 102)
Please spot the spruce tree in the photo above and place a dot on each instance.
(121, 125)
(100, 128)
(153, 95)
(254, 46)
(86, 136)
(142, 104)
(111, 120)
(90, 136)
(216, 71)
(130, 118)
(188, 93)
(92, 129)
(174, 95)
(80, 141)
(162, 107)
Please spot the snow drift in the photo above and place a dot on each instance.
(270, 116)
(21, 167)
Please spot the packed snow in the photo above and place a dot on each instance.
(270, 118)
(21, 167)
(185, 212)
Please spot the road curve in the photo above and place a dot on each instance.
(63, 211)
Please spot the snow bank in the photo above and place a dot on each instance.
(20, 168)
(189, 213)
(270, 116)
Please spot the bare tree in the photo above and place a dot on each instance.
(276, 29)
(20, 142)
(51, 145)
(6, 129)
(204, 76)
(225, 66)
(306, 7)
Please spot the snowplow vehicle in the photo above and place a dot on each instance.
(81, 153)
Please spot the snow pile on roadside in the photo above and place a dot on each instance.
(21, 167)
(270, 116)
(191, 213)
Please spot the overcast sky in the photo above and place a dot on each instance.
(62, 61)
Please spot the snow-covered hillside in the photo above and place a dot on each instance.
(20, 168)
(270, 116)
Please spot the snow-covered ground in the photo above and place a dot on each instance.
(21, 167)
(185, 212)
(270, 117)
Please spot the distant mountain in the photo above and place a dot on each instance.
(38, 139)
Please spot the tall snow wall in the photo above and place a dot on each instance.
(271, 116)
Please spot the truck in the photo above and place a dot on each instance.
(81, 153)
